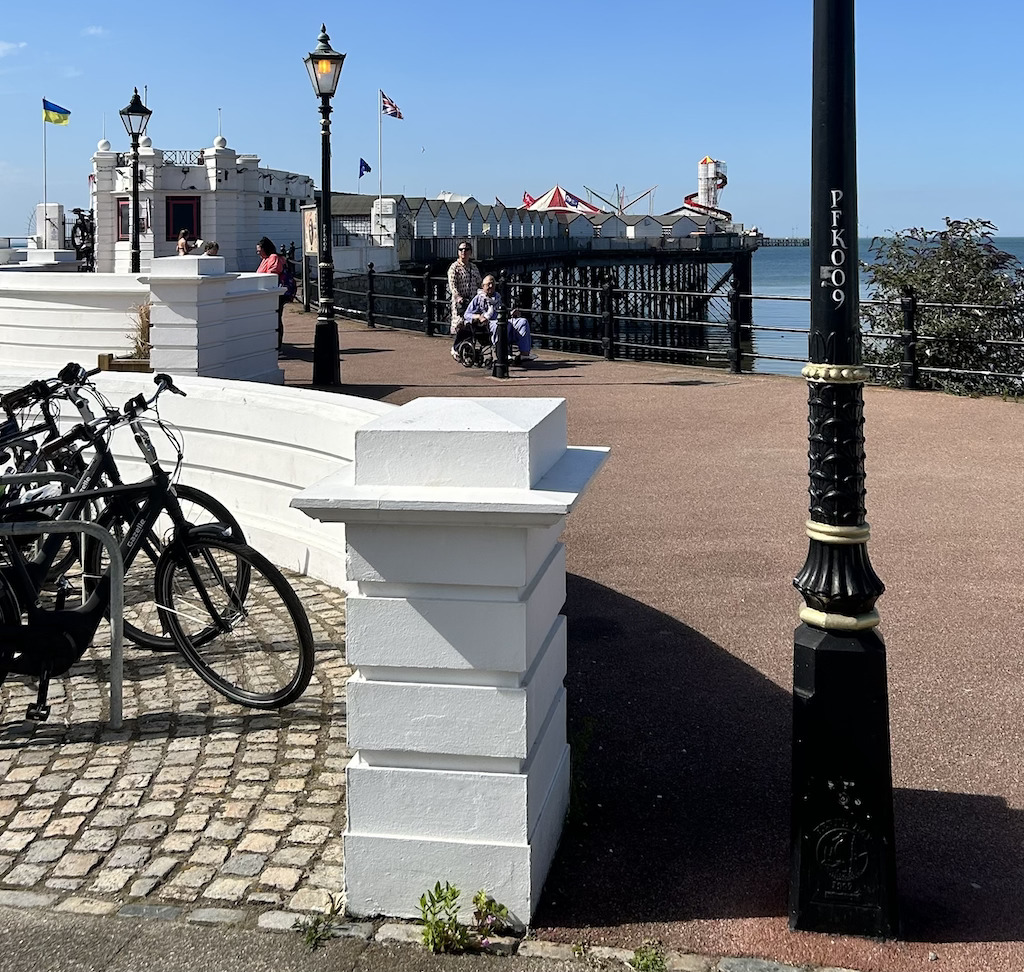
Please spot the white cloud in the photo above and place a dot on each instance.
(95, 32)
(7, 47)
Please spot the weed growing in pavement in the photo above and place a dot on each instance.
(489, 917)
(439, 912)
(648, 958)
(442, 930)
(317, 929)
(579, 949)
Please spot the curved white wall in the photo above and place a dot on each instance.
(43, 315)
(254, 447)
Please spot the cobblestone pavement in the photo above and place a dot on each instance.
(196, 804)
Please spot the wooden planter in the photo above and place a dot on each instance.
(107, 362)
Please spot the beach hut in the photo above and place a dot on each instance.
(642, 227)
(608, 226)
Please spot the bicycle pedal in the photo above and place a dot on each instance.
(37, 713)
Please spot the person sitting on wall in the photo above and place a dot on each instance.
(483, 309)
(273, 262)
(463, 283)
(183, 243)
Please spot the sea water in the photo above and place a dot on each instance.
(785, 271)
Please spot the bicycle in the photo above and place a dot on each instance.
(231, 613)
(142, 624)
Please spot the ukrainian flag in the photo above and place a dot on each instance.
(55, 114)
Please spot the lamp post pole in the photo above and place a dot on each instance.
(135, 117)
(136, 266)
(326, 349)
(324, 66)
(843, 876)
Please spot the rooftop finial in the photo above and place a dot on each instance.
(323, 41)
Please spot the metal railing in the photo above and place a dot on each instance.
(717, 329)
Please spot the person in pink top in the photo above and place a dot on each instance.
(272, 262)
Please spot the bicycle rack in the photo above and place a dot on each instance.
(116, 579)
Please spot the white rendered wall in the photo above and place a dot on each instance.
(453, 511)
(48, 319)
(253, 447)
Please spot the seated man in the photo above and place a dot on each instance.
(483, 309)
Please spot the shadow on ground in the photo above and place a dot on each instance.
(681, 774)
(681, 785)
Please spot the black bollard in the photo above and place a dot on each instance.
(908, 304)
(500, 367)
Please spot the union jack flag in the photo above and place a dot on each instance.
(528, 200)
(389, 107)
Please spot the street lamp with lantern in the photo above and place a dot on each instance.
(135, 117)
(324, 66)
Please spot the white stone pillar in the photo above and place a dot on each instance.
(453, 511)
(206, 322)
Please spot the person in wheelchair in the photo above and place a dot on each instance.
(482, 312)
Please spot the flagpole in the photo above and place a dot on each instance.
(380, 171)
(44, 184)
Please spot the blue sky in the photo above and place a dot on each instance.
(499, 99)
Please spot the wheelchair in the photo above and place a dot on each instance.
(475, 349)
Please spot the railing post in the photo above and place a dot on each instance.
(608, 341)
(370, 322)
(735, 351)
(428, 317)
(500, 366)
(908, 302)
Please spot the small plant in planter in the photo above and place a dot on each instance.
(137, 358)
(139, 334)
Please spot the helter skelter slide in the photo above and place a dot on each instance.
(711, 180)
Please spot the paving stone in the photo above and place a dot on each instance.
(160, 867)
(143, 887)
(277, 921)
(327, 876)
(194, 877)
(14, 789)
(145, 830)
(46, 851)
(210, 786)
(290, 786)
(179, 843)
(285, 878)
(686, 962)
(258, 843)
(294, 856)
(111, 880)
(111, 818)
(128, 855)
(156, 808)
(63, 827)
(173, 774)
(320, 815)
(68, 763)
(214, 854)
(134, 781)
(24, 773)
(279, 802)
(160, 912)
(403, 934)
(308, 834)
(248, 791)
(101, 771)
(88, 787)
(167, 791)
(254, 774)
(64, 884)
(309, 899)
(753, 965)
(244, 865)
(96, 840)
(13, 842)
(25, 875)
(219, 830)
(87, 906)
(222, 747)
(532, 948)
(216, 916)
(277, 822)
(264, 898)
(227, 889)
(39, 801)
(124, 798)
(29, 819)
(76, 865)
(236, 809)
(26, 899)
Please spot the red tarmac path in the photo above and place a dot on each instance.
(681, 616)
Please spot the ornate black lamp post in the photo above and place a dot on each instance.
(135, 118)
(844, 874)
(324, 66)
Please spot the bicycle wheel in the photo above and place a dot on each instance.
(10, 613)
(253, 646)
(142, 623)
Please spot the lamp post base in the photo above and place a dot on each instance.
(844, 862)
(326, 352)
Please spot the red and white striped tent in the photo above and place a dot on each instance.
(558, 200)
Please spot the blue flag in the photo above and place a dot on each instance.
(364, 167)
